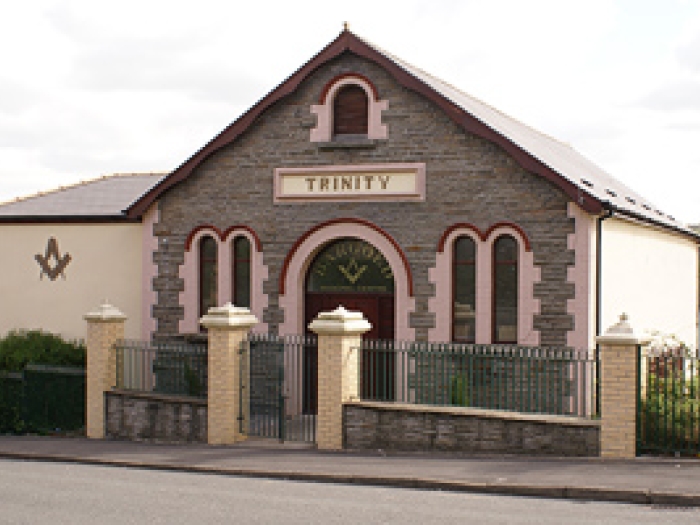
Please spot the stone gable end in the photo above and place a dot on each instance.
(468, 180)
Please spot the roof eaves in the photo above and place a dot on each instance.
(71, 219)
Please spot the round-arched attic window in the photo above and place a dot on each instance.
(350, 111)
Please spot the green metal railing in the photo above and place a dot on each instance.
(171, 368)
(497, 377)
(42, 399)
(278, 387)
(668, 408)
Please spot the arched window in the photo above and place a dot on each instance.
(505, 290)
(464, 290)
(207, 274)
(241, 271)
(350, 111)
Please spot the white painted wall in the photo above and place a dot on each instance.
(106, 265)
(652, 275)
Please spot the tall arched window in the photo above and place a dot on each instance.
(350, 111)
(241, 271)
(464, 290)
(505, 290)
(207, 274)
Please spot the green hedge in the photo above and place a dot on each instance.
(21, 348)
(42, 383)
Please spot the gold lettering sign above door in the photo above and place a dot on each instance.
(350, 265)
(363, 182)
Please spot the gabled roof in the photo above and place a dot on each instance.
(105, 198)
(584, 182)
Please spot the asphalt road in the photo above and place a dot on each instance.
(56, 493)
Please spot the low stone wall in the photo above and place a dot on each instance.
(401, 427)
(152, 417)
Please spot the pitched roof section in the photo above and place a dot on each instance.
(557, 155)
(584, 182)
(104, 198)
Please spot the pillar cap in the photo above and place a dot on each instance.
(340, 321)
(622, 334)
(105, 313)
(229, 317)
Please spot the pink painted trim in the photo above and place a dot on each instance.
(581, 337)
(258, 274)
(222, 235)
(350, 220)
(299, 258)
(528, 275)
(482, 236)
(326, 89)
(149, 271)
(189, 273)
(441, 276)
(324, 111)
(417, 195)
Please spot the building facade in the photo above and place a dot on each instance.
(365, 182)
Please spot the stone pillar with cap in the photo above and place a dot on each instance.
(339, 339)
(227, 326)
(619, 370)
(105, 326)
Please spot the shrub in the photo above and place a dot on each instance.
(21, 348)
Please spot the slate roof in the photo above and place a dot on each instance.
(106, 197)
(585, 183)
(559, 156)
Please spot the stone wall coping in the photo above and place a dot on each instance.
(158, 397)
(340, 321)
(229, 317)
(105, 313)
(479, 412)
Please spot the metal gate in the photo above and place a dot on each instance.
(273, 370)
(668, 405)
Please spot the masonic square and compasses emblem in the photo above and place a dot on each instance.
(51, 263)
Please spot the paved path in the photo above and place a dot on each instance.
(646, 480)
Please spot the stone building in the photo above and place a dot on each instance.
(364, 181)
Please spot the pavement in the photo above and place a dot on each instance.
(648, 481)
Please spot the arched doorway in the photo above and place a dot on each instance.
(352, 273)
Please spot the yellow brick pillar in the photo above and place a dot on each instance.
(105, 326)
(619, 370)
(227, 327)
(339, 338)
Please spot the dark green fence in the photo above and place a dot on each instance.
(278, 379)
(668, 420)
(164, 367)
(42, 399)
(495, 377)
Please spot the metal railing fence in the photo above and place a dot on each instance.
(278, 381)
(498, 377)
(43, 399)
(164, 367)
(668, 408)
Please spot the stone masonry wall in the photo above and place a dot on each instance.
(150, 417)
(370, 426)
(468, 180)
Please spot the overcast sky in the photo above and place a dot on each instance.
(89, 88)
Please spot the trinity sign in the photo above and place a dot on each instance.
(51, 263)
(393, 182)
(350, 265)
